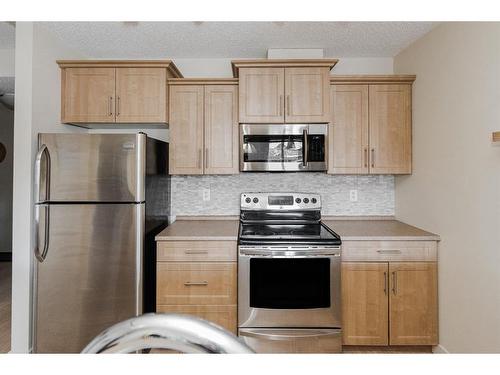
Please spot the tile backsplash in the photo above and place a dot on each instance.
(375, 193)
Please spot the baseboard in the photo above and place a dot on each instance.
(440, 349)
(5, 257)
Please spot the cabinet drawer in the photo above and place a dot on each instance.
(225, 316)
(196, 283)
(196, 251)
(389, 251)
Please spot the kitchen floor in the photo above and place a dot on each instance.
(5, 305)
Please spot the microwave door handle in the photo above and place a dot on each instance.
(305, 148)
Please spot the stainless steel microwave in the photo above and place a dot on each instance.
(283, 147)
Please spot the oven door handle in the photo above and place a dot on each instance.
(290, 334)
(306, 148)
(289, 253)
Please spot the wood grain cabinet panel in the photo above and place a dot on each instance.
(197, 251)
(261, 95)
(196, 283)
(221, 129)
(223, 315)
(186, 130)
(390, 129)
(364, 303)
(349, 130)
(141, 95)
(88, 95)
(413, 303)
(307, 95)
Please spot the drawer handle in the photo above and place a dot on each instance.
(389, 251)
(195, 283)
(196, 252)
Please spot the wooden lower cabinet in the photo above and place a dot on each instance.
(389, 303)
(198, 278)
(413, 304)
(223, 315)
(364, 304)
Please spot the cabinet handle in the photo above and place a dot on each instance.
(373, 157)
(288, 105)
(199, 158)
(389, 251)
(196, 283)
(206, 158)
(366, 157)
(385, 283)
(118, 106)
(281, 105)
(111, 106)
(394, 283)
(196, 252)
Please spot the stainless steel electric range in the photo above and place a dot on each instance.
(288, 275)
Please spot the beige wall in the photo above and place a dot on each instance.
(7, 62)
(455, 187)
(37, 110)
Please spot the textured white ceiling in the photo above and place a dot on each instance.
(7, 35)
(236, 39)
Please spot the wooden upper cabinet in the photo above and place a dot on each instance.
(261, 95)
(390, 129)
(141, 95)
(364, 303)
(307, 95)
(413, 303)
(221, 129)
(115, 91)
(186, 129)
(348, 133)
(88, 95)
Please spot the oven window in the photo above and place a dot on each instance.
(273, 148)
(290, 283)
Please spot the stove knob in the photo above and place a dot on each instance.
(256, 200)
(248, 200)
(298, 200)
(306, 200)
(314, 200)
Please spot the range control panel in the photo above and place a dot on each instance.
(280, 201)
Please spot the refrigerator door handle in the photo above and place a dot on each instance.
(43, 254)
(38, 173)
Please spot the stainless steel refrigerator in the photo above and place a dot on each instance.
(100, 201)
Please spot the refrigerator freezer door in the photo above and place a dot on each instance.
(91, 167)
(90, 274)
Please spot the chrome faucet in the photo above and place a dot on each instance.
(183, 333)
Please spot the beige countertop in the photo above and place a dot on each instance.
(378, 230)
(208, 229)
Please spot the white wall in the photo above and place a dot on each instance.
(455, 187)
(37, 110)
(7, 62)
(221, 68)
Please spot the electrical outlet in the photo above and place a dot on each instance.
(206, 195)
(353, 195)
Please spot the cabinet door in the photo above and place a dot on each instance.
(141, 95)
(349, 130)
(186, 130)
(390, 129)
(307, 93)
(261, 95)
(413, 303)
(88, 95)
(364, 303)
(221, 129)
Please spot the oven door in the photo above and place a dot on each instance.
(289, 290)
(277, 148)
